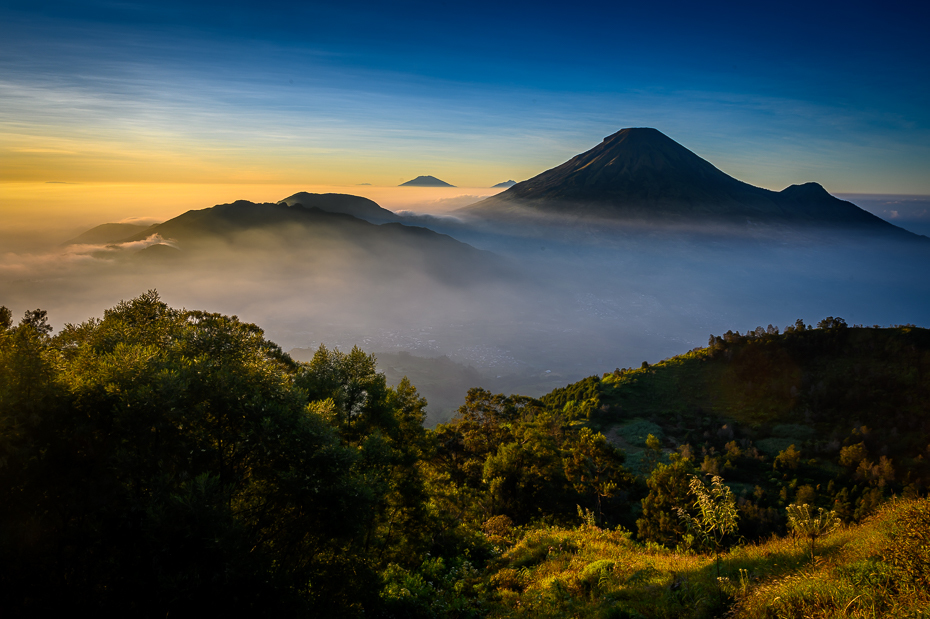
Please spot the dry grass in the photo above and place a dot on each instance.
(851, 578)
(589, 572)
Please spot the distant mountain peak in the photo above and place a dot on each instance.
(426, 181)
(505, 184)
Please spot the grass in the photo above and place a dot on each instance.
(591, 572)
(631, 437)
(852, 579)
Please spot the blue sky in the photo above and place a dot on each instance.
(476, 93)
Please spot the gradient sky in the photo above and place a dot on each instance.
(310, 93)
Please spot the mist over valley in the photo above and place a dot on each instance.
(634, 251)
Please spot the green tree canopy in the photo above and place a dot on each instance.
(161, 460)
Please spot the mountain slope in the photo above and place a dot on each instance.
(835, 417)
(107, 233)
(357, 206)
(806, 387)
(299, 237)
(641, 174)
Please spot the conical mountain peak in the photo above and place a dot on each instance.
(643, 134)
(641, 174)
(640, 165)
(426, 181)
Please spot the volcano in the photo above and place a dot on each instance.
(640, 174)
(426, 181)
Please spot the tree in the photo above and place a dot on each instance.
(788, 458)
(831, 323)
(38, 320)
(803, 522)
(717, 513)
(510, 455)
(652, 454)
(481, 426)
(6, 318)
(161, 461)
(385, 426)
(594, 466)
(524, 479)
(668, 489)
(351, 381)
(852, 455)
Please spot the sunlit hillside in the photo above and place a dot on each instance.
(880, 568)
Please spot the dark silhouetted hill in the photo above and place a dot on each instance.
(357, 206)
(157, 253)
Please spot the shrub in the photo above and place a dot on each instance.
(908, 549)
(804, 523)
(717, 514)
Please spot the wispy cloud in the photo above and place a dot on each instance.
(49, 264)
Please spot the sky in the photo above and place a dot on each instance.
(135, 109)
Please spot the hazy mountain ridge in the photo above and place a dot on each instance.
(319, 240)
(107, 233)
(224, 220)
(357, 206)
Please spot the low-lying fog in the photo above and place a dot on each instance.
(538, 314)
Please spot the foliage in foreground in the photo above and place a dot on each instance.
(162, 461)
(877, 569)
(170, 461)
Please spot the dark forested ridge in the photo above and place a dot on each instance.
(830, 376)
(171, 462)
(834, 415)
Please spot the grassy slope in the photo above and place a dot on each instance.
(814, 389)
(810, 389)
(589, 572)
